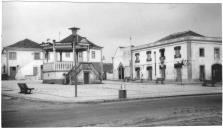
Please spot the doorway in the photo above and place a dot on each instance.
(41, 70)
(202, 73)
(149, 69)
(137, 73)
(178, 74)
(121, 72)
(178, 69)
(86, 77)
(217, 72)
(12, 73)
(163, 71)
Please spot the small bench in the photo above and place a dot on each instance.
(24, 88)
(207, 82)
(159, 79)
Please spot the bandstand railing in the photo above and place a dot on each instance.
(58, 66)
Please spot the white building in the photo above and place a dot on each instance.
(122, 63)
(185, 56)
(22, 60)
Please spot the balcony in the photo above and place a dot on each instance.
(58, 66)
(162, 58)
(137, 61)
(177, 56)
(149, 59)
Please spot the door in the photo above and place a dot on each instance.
(149, 69)
(41, 75)
(86, 77)
(202, 73)
(163, 73)
(137, 73)
(178, 74)
(12, 72)
(217, 72)
(121, 72)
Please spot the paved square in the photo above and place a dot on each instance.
(106, 91)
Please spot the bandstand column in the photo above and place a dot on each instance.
(88, 53)
(61, 56)
(54, 54)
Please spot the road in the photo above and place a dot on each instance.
(180, 111)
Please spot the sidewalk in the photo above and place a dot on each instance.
(102, 92)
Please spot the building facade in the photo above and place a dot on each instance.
(22, 60)
(122, 63)
(184, 56)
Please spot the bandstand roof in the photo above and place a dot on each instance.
(67, 43)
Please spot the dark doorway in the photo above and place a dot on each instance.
(12, 73)
(217, 72)
(137, 73)
(178, 69)
(163, 71)
(149, 69)
(121, 72)
(86, 77)
(178, 74)
(41, 75)
(202, 73)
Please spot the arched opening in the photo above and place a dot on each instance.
(217, 72)
(121, 72)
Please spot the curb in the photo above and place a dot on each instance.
(111, 100)
(144, 98)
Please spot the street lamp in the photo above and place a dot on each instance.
(74, 33)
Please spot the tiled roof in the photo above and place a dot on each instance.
(180, 34)
(26, 43)
(70, 38)
(175, 36)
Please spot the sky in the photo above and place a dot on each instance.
(109, 25)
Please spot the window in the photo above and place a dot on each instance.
(67, 54)
(148, 56)
(162, 51)
(12, 55)
(36, 56)
(201, 51)
(177, 52)
(162, 55)
(216, 53)
(137, 58)
(93, 54)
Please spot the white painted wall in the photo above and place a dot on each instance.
(123, 56)
(208, 60)
(169, 61)
(24, 63)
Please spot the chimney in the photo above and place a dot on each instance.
(74, 30)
